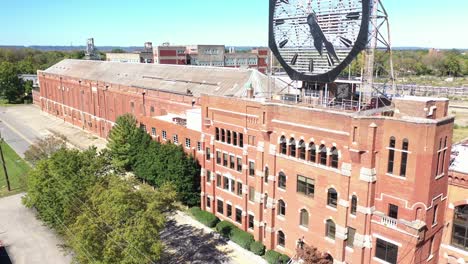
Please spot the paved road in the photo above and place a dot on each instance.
(26, 239)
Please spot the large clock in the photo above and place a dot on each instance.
(315, 40)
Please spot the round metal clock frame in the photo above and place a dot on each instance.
(321, 43)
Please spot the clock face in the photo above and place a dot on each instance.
(314, 40)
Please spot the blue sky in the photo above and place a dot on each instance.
(422, 23)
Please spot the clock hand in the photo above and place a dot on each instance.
(319, 37)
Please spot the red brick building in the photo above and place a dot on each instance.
(365, 186)
(454, 248)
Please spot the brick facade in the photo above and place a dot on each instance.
(266, 160)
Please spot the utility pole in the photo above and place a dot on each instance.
(3, 163)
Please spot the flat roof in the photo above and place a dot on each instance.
(459, 157)
(171, 78)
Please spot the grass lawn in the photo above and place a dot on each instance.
(17, 172)
(460, 134)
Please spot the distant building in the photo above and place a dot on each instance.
(454, 246)
(170, 55)
(146, 55)
(123, 57)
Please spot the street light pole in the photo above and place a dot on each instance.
(3, 163)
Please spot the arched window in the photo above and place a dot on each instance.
(391, 155)
(323, 155)
(282, 180)
(334, 157)
(292, 147)
(304, 218)
(265, 174)
(330, 229)
(404, 157)
(223, 135)
(281, 208)
(353, 205)
(281, 239)
(217, 133)
(265, 201)
(234, 138)
(283, 145)
(312, 152)
(460, 227)
(302, 150)
(228, 139)
(332, 198)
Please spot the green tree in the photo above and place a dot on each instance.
(57, 186)
(121, 138)
(45, 148)
(121, 224)
(117, 50)
(10, 85)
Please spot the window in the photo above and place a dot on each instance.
(251, 221)
(239, 188)
(301, 150)
(251, 140)
(283, 145)
(229, 210)
(232, 162)
(265, 201)
(132, 107)
(199, 146)
(143, 127)
(208, 176)
(175, 139)
(404, 158)
(218, 157)
(220, 207)
(281, 239)
(304, 218)
(292, 147)
(225, 159)
(228, 139)
(265, 174)
(386, 251)
(232, 185)
(330, 229)
(312, 152)
(251, 194)
(334, 157)
(226, 183)
(282, 180)
(251, 168)
(223, 135)
(208, 153)
(241, 140)
(350, 239)
(332, 197)
(152, 110)
(281, 208)
(393, 211)
(353, 205)
(323, 155)
(208, 202)
(391, 155)
(153, 131)
(238, 215)
(218, 180)
(305, 185)
(234, 138)
(239, 164)
(164, 134)
(187, 142)
(434, 216)
(460, 227)
(217, 134)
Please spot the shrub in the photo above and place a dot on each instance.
(225, 228)
(241, 238)
(273, 257)
(284, 258)
(204, 217)
(257, 248)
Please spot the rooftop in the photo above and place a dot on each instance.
(171, 78)
(459, 157)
